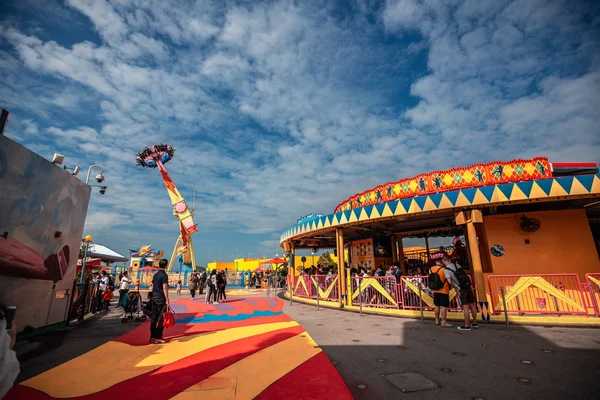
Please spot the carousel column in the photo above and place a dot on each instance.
(292, 267)
(401, 255)
(394, 248)
(470, 219)
(339, 236)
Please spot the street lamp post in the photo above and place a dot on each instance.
(99, 177)
(87, 240)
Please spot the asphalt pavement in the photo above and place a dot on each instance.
(398, 358)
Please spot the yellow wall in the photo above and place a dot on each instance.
(309, 260)
(221, 266)
(563, 244)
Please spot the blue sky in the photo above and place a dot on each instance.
(278, 109)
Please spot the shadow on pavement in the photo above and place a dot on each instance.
(389, 354)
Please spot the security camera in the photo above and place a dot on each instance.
(58, 159)
(99, 178)
(103, 189)
(75, 170)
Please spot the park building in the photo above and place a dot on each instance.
(526, 231)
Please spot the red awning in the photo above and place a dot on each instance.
(93, 262)
(149, 269)
(275, 260)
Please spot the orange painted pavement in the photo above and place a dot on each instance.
(254, 348)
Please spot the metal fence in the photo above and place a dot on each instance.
(325, 286)
(537, 294)
(303, 286)
(414, 293)
(374, 291)
(84, 300)
(593, 286)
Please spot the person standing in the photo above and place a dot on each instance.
(179, 288)
(214, 286)
(462, 283)
(193, 285)
(9, 365)
(103, 285)
(441, 297)
(203, 277)
(124, 288)
(159, 302)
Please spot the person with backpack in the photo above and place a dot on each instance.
(221, 283)
(438, 283)
(214, 286)
(203, 277)
(462, 283)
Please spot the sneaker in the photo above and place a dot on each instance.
(216, 302)
(464, 328)
(158, 341)
(474, 326)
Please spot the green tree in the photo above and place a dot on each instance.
(326, 261)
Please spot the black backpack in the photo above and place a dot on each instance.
(434, 281)
(464, 282)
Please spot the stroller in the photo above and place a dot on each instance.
(133, 308)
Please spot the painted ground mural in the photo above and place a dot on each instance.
(244, 349)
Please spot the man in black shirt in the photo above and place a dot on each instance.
(159, 302)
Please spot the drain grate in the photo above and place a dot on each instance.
(408, 382)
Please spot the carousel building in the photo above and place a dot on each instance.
(527, 232)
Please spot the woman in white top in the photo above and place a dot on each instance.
(9, 365)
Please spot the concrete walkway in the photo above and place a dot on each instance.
(244, 349)
(378, 357)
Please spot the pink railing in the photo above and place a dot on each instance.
(328, 285)
(593, 286)
(537, 294)
(303, 286)
(375, 291)
(409, 298)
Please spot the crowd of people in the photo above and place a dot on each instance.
(445, 272)
(214, 283)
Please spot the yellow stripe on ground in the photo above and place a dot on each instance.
(249, 377)
(133, 361)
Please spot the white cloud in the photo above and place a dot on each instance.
(283, 108)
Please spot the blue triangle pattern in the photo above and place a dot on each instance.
(587, 181)
(339, 215)
(452, 196)
(368, 210)
(348, 213)
(506, 188)
(436, 198)
(406, 203)
(545, 185)
(392, 204)
(420, 200)
(380, 208)
(469, 194)
(566, 183)
(525, 187)
(487, 191)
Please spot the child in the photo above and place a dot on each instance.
(178, 288)
(106, 298)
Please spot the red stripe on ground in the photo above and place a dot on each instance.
(140, 335)
(316, 379)
(169, 380)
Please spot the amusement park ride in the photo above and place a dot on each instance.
(156, 157)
